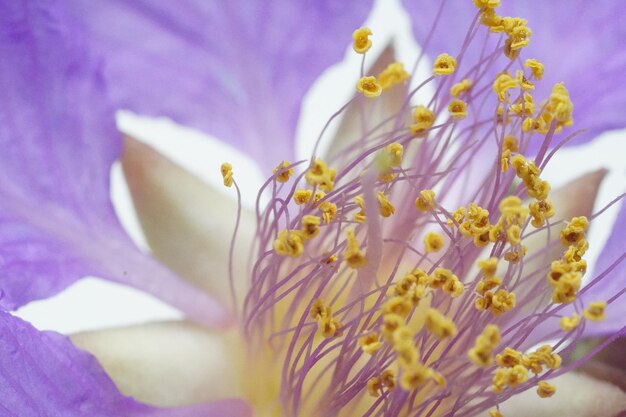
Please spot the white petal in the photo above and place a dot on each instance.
(577, 395)
(187, 224)
(167, 364)
(375, 110)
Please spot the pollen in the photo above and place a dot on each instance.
(362, 42)
(444, 65)
(545, 390)
(289, 243)
(321, 175)
(595, 311)
(502, 84)
(227, 174)
(433, 242)
(414, 377)
(487, 4)
(329, 211)
(488, 266)
(310, 226)
(457, 109)
(536, 68)
(569, 323)
(461, 87)
(575, 231)
(369, 86)
(301, 196)
(482, 352)
(423, 119)
(283, 171)
(425, 201)
(319, 310)
(374, 387)
(353, 255)
(329, 327)
(397, 305)
(495, 413)
(386, 209)
(392, 75)
(439, 325)
(370, 343)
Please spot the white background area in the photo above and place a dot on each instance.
(92, 303)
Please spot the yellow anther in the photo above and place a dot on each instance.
(540, 211)
(559, 109)
(329, 211)
(433, 242)
(423, 119)
(369, 86)
(457, 216)
(362, 42)
(509, 358)
(415, 295)
(502, 301)
(302, 196)
(329, 327)
(414, 377)
(513, 234)
(440, 277)
(439, 325)
(454, 287)
(536, 68)
(444, 65)
(487, 284)
(575, 231)
(319, 310)
(511, 377)
(490, 19)
(523, 82)
(289, 243)
(388, 379)
(395, 152)
(407, 354)
(391, 322)
(319, 174)
(486, 342)
(461, 87)
(370, 343)
(318, 196)
(524, 106)
(227, 174)
(374, 387)
(360, 216)
(569, 323)
(329, 260)
(397, 305)
(425, 201)
(457, 109)
(310, 226)
(353, 255)
(283, 172)
(510, 143)
(488, 266)
(519, 37)
(502, 84)
(439, 379)
(545, 390)
(403, 334)
(392, 75)
(386, 209)
(595, 311)
(495, 413)
(487, 4)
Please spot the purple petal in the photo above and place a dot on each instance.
(612, 288)
(580, 45)
(43, 374)
(58, 141)
(236, 69)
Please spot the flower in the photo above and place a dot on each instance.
(373, 284)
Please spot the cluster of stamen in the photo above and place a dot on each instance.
(350, 234)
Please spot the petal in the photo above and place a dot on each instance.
(58, 142)
(612, 288)
(188, 224)
(236, 69)
(589, 42)
(577, 395)
(43, 374)
(166, 364)
(379, 113)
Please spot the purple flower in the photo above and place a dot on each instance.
(422, 266)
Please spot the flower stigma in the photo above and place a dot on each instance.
(397, 279)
